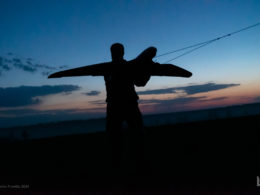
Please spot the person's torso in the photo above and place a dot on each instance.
(120, 83)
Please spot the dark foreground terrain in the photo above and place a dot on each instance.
(218, 155)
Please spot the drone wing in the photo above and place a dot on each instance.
(169, 70)
(147, 55)
(145, 65)
(91, 70)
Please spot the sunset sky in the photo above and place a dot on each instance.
(44, 36)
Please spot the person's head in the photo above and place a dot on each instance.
(117, 51)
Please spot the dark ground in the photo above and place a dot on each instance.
(203, 157)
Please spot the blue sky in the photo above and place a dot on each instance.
(51, 33)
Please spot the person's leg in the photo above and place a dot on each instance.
(135, 122)
(114, 132)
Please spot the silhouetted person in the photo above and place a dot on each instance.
(121, 76)
(122, 105)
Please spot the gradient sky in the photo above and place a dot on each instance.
(40, 37)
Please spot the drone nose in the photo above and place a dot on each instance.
(152, 51)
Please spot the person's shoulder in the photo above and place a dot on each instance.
(123, 61)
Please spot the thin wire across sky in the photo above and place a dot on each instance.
(202, 44)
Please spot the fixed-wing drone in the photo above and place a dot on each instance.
(141, 66)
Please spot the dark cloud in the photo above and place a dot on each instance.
(171, 105)
(27, 65)
(177, 104)
(189, 90)
(3, 65)
(17, 63)
(40, 66)
(26, 95)
(157, 91)
(193, 89)
(92, 93)
(64, 66)
(181, 100)
(98, 102)
(29, 62)
(172, 101)
(16, 60)
(46, 73)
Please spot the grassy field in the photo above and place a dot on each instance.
(219, 154)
